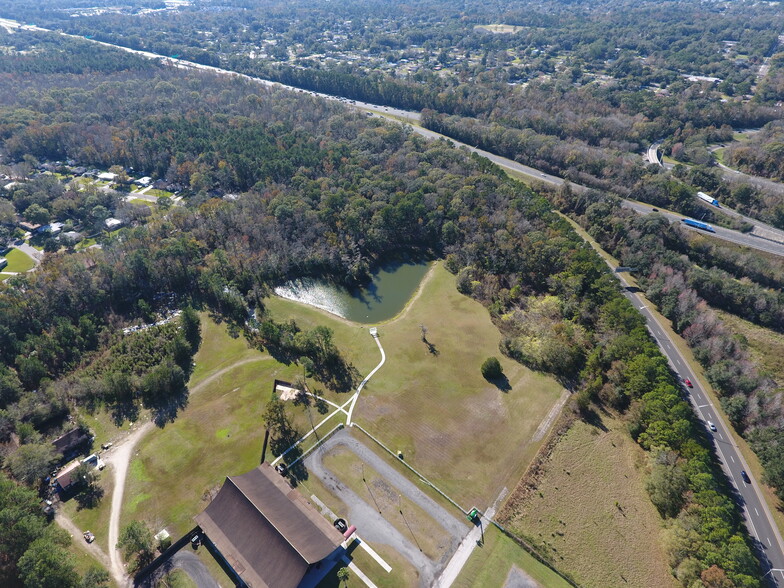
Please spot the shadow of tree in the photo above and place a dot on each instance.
(501, 382)
(167, 412)
(431, 348)
(89, 497)
(125, 411)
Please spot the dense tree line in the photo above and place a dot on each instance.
(762, 154)
(33, 550)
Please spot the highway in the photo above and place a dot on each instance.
(759, 520)
(398, 115)
(746, 240)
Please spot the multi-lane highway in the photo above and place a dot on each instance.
(746, 240)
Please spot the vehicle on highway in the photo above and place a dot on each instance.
(709, 199)
(698, 225)
(745, 477)
(654, 209)
(711, 426)
(687, 381)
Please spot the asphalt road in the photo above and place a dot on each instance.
(729, 235)
(188, 562)
(397, 114)
(759, 520)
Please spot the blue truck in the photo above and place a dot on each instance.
(698, 225)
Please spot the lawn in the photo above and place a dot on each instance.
(94, 519)
(590, 512)
(84, 244)
(467, 435)
(220, 432)
(430, 405)
(18, 261)
(81, 559)
(490, 564)
(158, 193)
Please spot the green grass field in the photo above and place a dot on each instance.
(468, 436)
(81, 559)
(158, 193)
(18, 261)
(94, 519)
(219, 433)
(590, 511)
(490, 564)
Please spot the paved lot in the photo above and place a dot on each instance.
(371, 525)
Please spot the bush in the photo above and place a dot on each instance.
(491, 369)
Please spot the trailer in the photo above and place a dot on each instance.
(709, 199)
(698, 225)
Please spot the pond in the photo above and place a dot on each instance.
(391, 288)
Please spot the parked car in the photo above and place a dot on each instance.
(89, 537)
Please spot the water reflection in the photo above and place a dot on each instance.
(386, 295)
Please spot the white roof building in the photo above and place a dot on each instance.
(112, 223)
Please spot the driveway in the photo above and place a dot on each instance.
(373, 526)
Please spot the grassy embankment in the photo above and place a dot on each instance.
(590, 512)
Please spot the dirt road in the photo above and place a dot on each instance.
(75, 532)
(119, 458)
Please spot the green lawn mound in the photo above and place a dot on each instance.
(18, 261)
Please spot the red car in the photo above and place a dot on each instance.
(687, 381)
